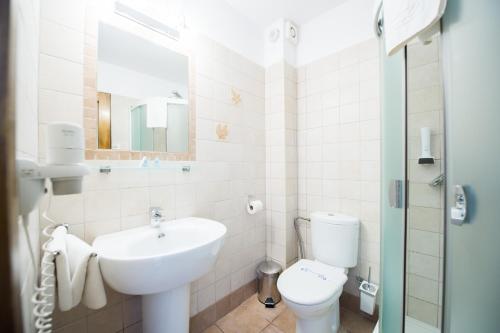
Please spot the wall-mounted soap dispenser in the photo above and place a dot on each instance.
(426, 155)
(65, 168)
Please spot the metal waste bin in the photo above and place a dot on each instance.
(267, 276)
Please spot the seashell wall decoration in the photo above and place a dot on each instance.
(236, 97)
(222, 131)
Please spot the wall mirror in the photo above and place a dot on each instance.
(140, 101)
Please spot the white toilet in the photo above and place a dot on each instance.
(311, 289)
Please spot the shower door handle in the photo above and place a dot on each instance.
(458, 213)
(396, 193)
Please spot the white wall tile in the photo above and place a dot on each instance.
(61, 75)
(60, 41)
(369, 109)
(100, 205)
(349, 93)
(68, 13)
(59, 106)
(65, 208)
(134, 201)
(100, 227)
(349, 113)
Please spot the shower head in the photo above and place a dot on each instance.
(176, 94)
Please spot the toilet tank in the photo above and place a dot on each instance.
(334, 239)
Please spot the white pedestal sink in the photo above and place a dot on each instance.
(139, 262)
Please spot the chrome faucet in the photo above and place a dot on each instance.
(156, 217)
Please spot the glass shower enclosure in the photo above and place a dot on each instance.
(412, 190)
(440, 222)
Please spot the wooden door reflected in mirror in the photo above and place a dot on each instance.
(104, 120)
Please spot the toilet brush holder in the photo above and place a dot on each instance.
(368, 296)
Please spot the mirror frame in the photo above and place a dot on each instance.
(90, 113)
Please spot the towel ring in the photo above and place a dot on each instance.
(47, 231)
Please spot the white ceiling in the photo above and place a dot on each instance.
(265, 12)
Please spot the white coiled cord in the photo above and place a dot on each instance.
(44, 293)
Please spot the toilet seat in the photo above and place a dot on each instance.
(310, 282)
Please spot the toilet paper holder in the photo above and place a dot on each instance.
(254, 205)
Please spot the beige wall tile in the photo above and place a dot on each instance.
(424, 173)
(426, 99)
(424, 76)
(424, 195)
(422, 54)
(427, 219)
(431, 119)
(422, 311)
(423, 265)
(424, 242)
(423, 289)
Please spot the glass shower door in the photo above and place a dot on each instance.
(393, 189)
(178, 128)
(141, 136)
(472, 101)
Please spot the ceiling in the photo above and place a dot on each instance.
(124, 49)
(265, 12)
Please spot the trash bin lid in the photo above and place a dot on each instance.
(269, 268)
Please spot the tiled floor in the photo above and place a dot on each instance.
(253, 317)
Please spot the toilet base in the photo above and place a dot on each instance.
(326, 322)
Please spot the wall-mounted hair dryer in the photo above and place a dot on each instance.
(64, 168)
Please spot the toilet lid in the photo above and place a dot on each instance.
(310, 282)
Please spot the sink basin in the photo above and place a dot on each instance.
(159, 263)
(137, 262)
